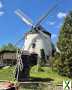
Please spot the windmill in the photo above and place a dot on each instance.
(37, 29)
(37, 40)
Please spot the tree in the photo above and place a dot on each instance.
(65, 46)
(8, 47)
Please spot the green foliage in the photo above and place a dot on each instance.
(65, 46)
(8, 47)
(55, 61)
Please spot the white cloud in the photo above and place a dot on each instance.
(54, 36)
(1, 5)
(51, 23)
(61, 15)
(1, 13)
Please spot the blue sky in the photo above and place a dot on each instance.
(11, 26)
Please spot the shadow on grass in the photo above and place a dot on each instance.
(33, 79)
(41, 79)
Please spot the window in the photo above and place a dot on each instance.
(33, 45)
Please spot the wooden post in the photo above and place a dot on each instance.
(38, 64)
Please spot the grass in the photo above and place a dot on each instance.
(6, 73)
(46, 72)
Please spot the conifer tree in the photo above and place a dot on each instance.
(65, 46)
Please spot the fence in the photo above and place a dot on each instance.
(39, 86)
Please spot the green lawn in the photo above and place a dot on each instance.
(46, 72)
(6, 73)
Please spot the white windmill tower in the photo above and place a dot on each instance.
(37, 40)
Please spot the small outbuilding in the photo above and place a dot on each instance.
(7, 57)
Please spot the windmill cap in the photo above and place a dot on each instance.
(39, 27)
